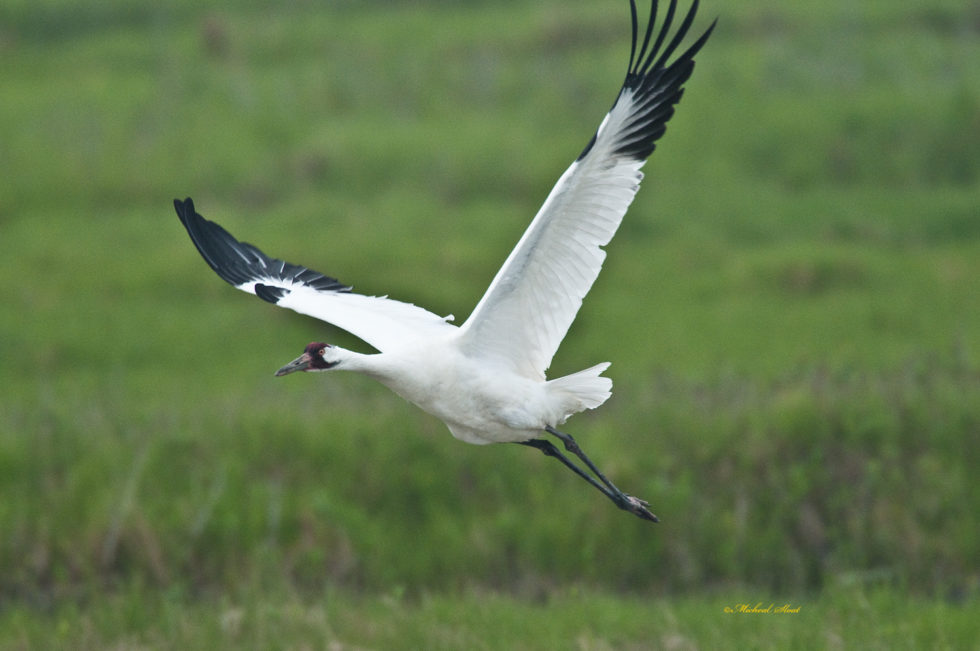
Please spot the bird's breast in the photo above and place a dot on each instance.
(479, 403)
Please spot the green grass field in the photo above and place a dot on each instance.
(791, 307)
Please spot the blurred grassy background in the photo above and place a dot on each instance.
(792, 306)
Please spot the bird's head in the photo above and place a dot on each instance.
(317, 356)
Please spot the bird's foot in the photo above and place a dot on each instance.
(637, 507)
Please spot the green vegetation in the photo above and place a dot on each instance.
(792, 309)
(488, 620)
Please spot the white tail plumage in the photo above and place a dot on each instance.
(586, 389)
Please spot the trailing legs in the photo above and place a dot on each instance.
(626, 502)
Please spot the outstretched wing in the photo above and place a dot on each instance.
(534, 298)
(384, 323)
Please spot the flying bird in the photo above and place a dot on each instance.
(485, 379)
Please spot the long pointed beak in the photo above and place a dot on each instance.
(301, 363)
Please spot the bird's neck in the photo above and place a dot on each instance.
(376, 365)
(404, 374)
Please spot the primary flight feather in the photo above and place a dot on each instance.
(486, 378)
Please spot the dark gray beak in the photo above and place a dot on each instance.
(301, 363)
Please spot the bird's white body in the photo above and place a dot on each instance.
(486, 378)
(479, 403)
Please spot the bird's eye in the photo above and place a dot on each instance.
(323, 351)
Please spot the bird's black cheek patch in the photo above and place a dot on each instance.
(319, 363)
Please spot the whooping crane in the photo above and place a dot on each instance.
(486, 378)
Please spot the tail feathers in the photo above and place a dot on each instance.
(586, 389)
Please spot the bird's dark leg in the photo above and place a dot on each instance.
(573, 447)
(549, 450)
(626, 502)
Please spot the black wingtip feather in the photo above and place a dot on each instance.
(239, 263)
(270, 293)
(655, 86)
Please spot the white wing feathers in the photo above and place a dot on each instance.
(383, 323)
(534, 298)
